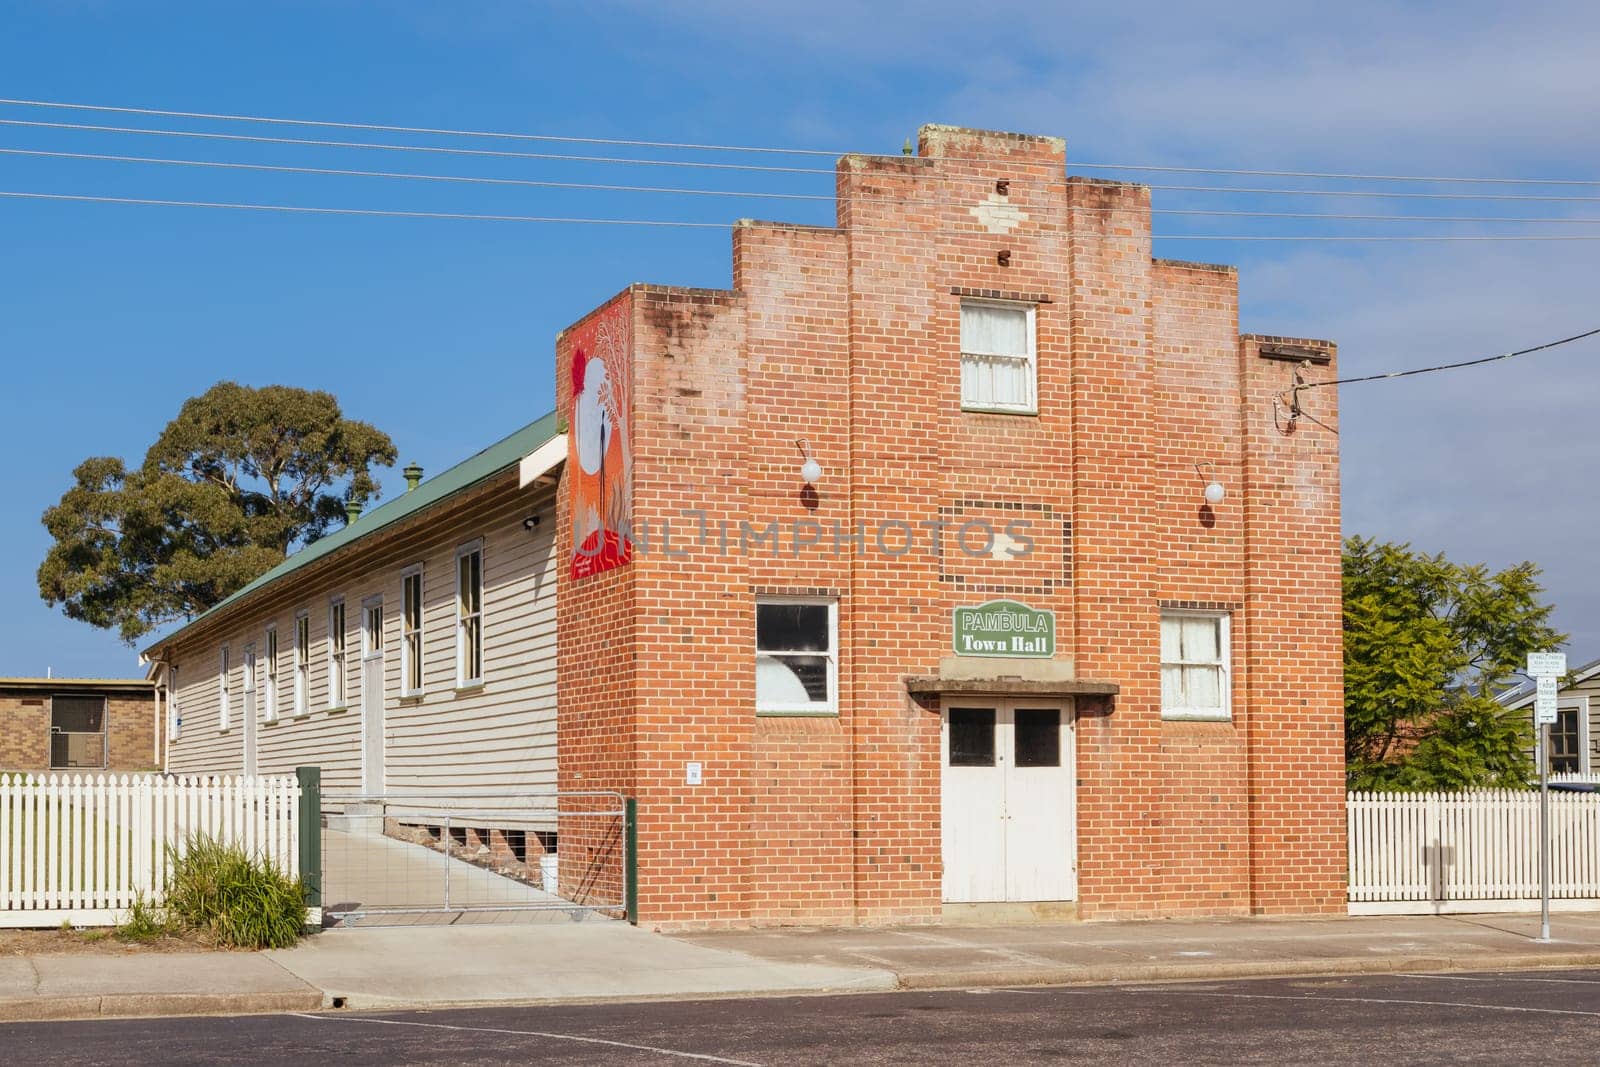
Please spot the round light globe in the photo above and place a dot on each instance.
(1215, 493)
(811, 471)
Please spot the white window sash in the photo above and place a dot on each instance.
(469, 620)
(338, 654)
(302, 663)
(1182, 672)
(225, 690)
(269, 674)
(412, 677)
(997, 373)
(821, 708)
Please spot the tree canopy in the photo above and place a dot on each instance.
(1427, 646)
(240, 478)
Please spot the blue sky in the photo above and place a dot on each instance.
(441, 332)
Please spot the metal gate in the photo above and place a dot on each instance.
(430, 859)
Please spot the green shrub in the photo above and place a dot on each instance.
(145, 922)
(233, 898)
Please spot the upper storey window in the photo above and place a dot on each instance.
(998, 357)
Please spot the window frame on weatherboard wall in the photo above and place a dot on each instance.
(782, 644)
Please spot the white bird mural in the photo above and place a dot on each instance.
(596, 420)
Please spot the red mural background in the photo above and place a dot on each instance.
(599, 443)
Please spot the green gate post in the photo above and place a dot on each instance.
(311, 833)
(630, 859)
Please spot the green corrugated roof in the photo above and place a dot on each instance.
(464, 475)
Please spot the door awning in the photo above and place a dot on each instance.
(935, 685)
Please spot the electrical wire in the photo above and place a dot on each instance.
(1451, 366)
(678, 191)
(684, 224)
(750, 167)
(767, 149)
(440, 149)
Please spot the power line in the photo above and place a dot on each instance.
(747, 167)
(767, 149)
(1374, 194)
(683, 224)
(474, 179)
(762, 168)
(1452, 366)
(497, 153)
(678, 191)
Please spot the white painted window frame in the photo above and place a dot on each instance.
(778, 710)
(462, 618)
(174, 705)
(1580, 704)
(338, 655)
(302, 663)
(224, 689)
(1030, 408)
(269, 673)
(1225, 661)
(412, 662)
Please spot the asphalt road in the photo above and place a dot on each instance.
(1540, 1017)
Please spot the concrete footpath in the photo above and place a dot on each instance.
(480, 965)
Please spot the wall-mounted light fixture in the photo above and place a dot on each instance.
(1214, 492)
(810, 470)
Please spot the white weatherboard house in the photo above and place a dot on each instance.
(412, 652)
(1575, 735)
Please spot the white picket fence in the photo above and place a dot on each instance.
(1437, 853)
(82, 848)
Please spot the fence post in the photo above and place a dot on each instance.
(630, 859)
(310, 779)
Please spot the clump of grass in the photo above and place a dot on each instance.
(145, 923)
(236, 900)
(92, 936)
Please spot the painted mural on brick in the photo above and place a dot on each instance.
(600, 444)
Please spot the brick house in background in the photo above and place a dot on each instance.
(889, 580)
(74, 725)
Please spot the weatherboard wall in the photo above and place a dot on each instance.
(500, 735)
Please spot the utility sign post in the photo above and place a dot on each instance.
(1546, 669)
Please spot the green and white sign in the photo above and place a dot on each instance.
(1004, 628)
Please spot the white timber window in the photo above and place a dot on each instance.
(338, 679)
(224, 690)
(797, 663)
(1195, 657)
(411, 631)
(302, 663)
(469, 615)
(998, 357)
(269, 675)
(174, 705)
(248, 677)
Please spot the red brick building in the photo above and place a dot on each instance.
(895, 587)
(79, 725)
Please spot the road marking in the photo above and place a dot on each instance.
(1473, 978)
(1311, 998)
(526, 1033)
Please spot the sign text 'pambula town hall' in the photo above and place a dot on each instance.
(1004, 628)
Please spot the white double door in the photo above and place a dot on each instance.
(1008, 807)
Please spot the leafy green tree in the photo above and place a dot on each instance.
(236, 481)
(1427, 645)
